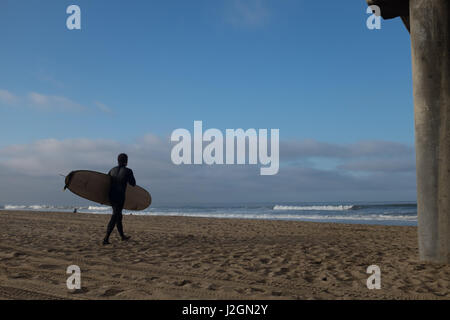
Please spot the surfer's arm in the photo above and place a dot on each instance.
(131, 179)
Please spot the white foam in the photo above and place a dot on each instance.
(12, 207)
(321, 208)
(38, 207)
(30, 207)
(279, 212)
(98, 208)
(294, 217)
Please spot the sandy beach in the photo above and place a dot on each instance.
(203, 258)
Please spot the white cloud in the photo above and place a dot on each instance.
(103, 107)
(53, 103)
(7, 97)
(253, 13)
(388, 173)
(309, 148)
(402, 164)
(51, 156)
(49, 103)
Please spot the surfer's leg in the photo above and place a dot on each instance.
(119, 223)
(112, 223)
(120, 226)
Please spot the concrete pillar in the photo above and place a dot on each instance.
(430, 42)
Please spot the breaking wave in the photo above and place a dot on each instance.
(98, 208)
(22, 207)
(319, 208)
(370, 213)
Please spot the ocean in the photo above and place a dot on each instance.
(381, 213)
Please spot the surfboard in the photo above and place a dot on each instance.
(94, 186)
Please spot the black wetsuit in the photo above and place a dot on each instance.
(120, 176)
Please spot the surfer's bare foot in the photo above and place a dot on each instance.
(105, 242)
(125, 238)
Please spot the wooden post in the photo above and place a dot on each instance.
(430, 43)
(428, 23)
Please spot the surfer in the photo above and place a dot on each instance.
(120, 176)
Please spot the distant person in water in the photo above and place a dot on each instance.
(120, 176)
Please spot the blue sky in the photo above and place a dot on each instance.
(140, 68)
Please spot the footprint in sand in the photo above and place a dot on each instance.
(181, 283)
(18, 254)
(212, 287)
(254, 290)
(281, 271)
(19, 276)
(9, 256)
(48, 266)
(111, 292)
